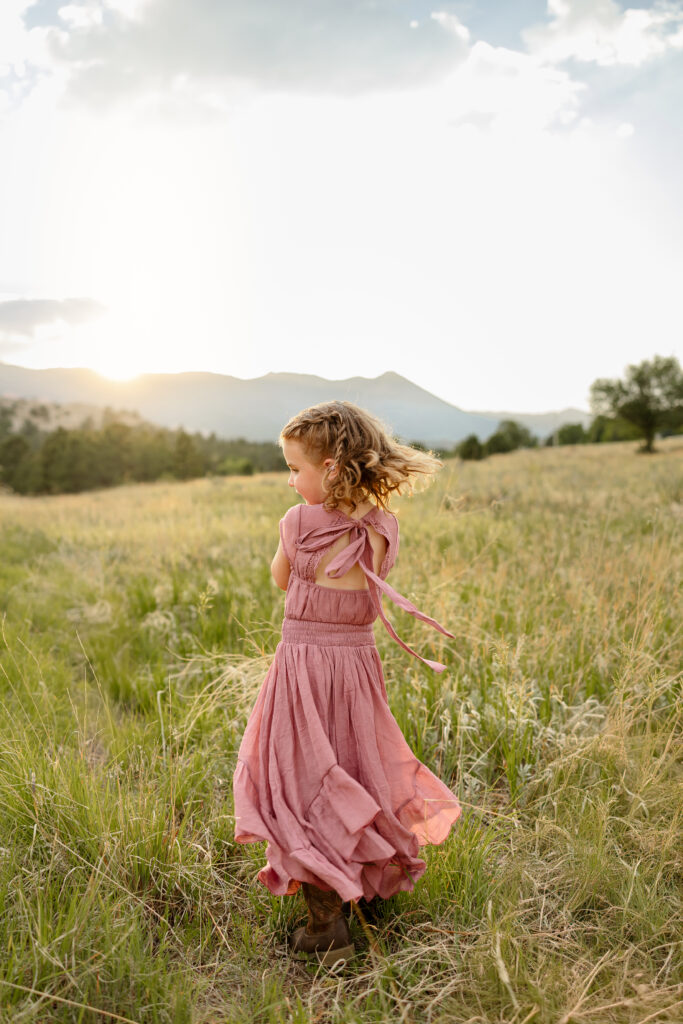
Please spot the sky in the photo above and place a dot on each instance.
(484, 197)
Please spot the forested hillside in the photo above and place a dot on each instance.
(36, 460)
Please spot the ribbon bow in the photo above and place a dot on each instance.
(359, 550)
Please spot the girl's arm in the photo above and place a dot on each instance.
(280, 568)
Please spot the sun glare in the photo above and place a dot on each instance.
(114, 351)
(120, 373)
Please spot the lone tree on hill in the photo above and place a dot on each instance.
(650, 396)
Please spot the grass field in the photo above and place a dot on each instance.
(137, 625)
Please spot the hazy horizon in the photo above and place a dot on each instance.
(121, 383)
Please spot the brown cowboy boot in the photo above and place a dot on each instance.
(326, 933)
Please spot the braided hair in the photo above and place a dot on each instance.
(370, 463)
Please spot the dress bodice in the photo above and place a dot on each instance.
(307, 532)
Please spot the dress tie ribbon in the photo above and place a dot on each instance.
(359, 550)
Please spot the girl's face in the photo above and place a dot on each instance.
(305, 476)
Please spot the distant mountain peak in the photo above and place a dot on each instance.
(257, 408)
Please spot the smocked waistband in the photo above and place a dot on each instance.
(327, 634)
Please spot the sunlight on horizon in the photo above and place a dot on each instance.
(116, 351)
(121, 375)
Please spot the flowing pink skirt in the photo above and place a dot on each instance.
(325, 776)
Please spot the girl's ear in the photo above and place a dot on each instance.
(329, 464)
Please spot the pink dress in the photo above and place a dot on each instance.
(324, 774)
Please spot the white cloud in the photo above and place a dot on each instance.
(17, 46)
(625, 130)
(26, 316)
(133, 10)
(22, 56)
(82, 16)
(117, 48)
(452, 24)
(27, 67)
(600, 32)
(506, 89)
(27, 324)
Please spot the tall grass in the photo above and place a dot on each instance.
(137, 625)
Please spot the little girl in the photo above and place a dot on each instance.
(324, 774)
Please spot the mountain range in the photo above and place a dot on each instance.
(256, 409)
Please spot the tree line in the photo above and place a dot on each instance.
(647, 401)
(37, 461)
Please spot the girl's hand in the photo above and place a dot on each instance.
(280, 568)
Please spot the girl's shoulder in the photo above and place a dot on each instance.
(386, 521)
(302, 517)
(319, 512)
(293, 514)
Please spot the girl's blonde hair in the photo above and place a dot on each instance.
(370, 463)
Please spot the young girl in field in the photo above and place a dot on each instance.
(324, 774)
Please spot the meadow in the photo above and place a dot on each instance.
(136, 627)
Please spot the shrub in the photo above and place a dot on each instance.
(470, 448)
(510, 436)
(236, 467)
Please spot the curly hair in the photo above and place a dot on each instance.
(370, 463)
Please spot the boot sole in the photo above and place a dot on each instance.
(335, 956)
(330, 958)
